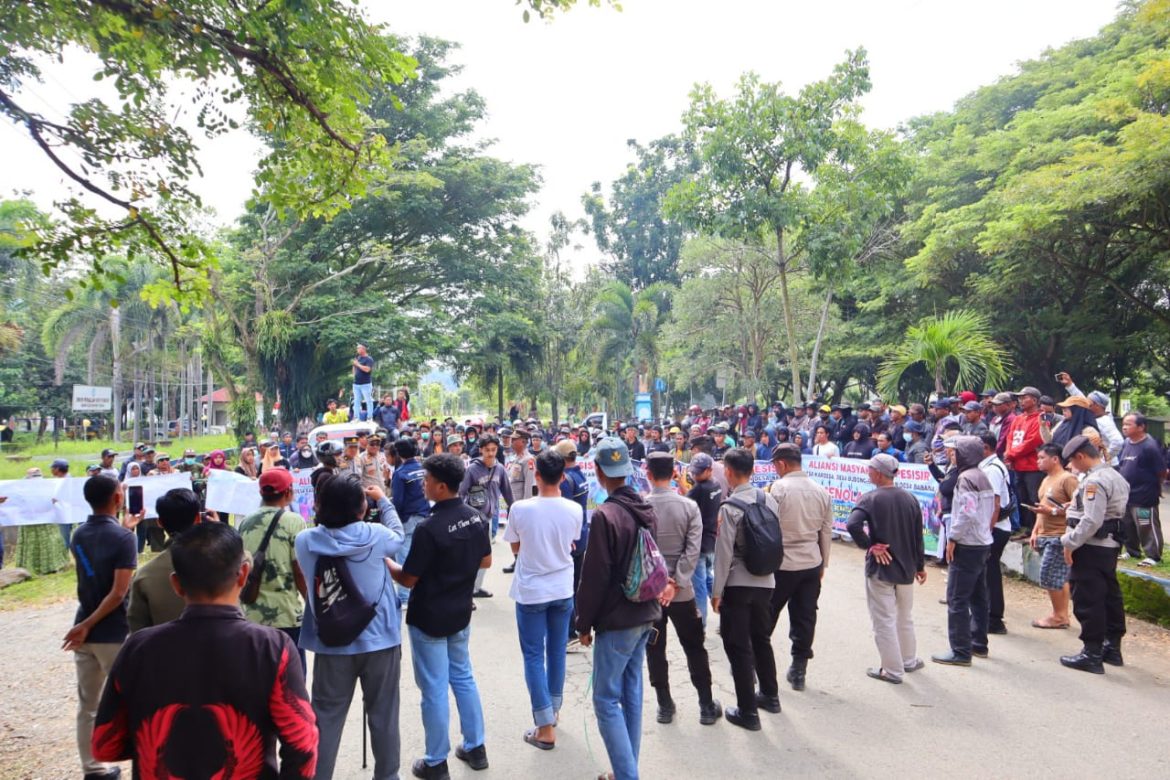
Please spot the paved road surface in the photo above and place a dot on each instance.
(1011, 715)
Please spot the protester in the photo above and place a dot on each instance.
(623, 626)
(575, 487)
(334, 415)
(806, 526)
(1141, 463)
(1023, 440)
(743, 599)
(822, 447)
(303, 457)
(914, 434)
(708, 494)
(208, 694)
(448, 550)
(363, 394)
(1099, 406)
(153, 600)
(106, 555)
(542, 531)
(887, 523)
(409, 499)
(679, 535)
(372, 657)
(274, 527)
(1056, 491)
(42, 549)
(997, 474)
(1091, 544)
(247, 465)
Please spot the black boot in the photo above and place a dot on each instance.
(1088, 660)
(710, 711)
(666, 707)
(1111, 652)
(796, 673)
(421, 770)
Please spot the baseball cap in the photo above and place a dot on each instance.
(913, 426)
(884, 464)
(1046, 400)
(826, 408)
(1075, 400)
(1099, 398)
(538, 435)
(700, 462)
(989, 392)
(163, 456)
(454, 438)
(1029, 391)
(899, 409)
(967, 395)
(60, 463)
(613, 458)
(93, 468)
(940, 403)
(566, 449)
(972, 406)
(1002, 398)
(749, 433)
(275, 481)
(107, 452)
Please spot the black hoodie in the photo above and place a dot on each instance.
(601, 604)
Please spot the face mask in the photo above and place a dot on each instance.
(908, 437)
(306, 453)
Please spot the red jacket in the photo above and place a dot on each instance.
(1023, 440)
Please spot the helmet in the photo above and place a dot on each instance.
(330, 449)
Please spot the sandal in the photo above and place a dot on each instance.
(883, 675)
(530, 738)
(1038, 624)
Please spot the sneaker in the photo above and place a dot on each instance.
(950, 659)
(476, 758)
(424, 771)
(481, 594)
(1147, 562)
(1124, 556)
(914, 666)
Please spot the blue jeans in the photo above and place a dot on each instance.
(617, 695)
(408, 527)
(439, 662)
(544, 634)
(967, 603)
(363, 401)
(702, 582)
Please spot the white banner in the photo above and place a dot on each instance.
(38, 501)
(232, 493)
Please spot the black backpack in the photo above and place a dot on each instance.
(341, 612)
(762, 540)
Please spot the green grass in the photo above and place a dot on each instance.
(1159, 569)
(40, 591)
(80, 453)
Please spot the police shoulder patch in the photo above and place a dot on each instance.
(1090, 491)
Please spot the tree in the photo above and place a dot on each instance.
(297, 74)
(754, 149)
(627, 326)
(959, 339)
(643, 244)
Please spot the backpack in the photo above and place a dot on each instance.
(1013, 507)
(763, 543)
(646, 575)
(251, 590)
(341, 612)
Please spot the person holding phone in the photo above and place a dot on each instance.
(1056, 491)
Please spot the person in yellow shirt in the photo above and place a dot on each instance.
(334, 414)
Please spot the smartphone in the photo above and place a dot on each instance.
(1057, 376)
(134, 499)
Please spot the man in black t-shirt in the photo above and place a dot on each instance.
(1143, 467)
(447, 551)
(106, 554)
(363, 388)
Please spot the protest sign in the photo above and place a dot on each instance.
(155, 485)
(231, 493)
(37, 501)
(303, 494)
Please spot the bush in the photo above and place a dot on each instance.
(1145, 599)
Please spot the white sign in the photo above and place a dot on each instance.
(37, 501)
(87, 398)
(232, 493)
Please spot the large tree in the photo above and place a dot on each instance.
(755, 149)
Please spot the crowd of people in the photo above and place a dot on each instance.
(407, 517)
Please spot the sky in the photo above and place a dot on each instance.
(567, 94)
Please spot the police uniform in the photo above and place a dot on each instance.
(1093, 536)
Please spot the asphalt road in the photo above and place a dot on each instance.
(1016, 713)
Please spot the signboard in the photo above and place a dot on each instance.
(88, 398)
(37, 501)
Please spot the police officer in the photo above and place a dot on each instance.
(1091, 545)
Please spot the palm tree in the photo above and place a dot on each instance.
(627, 324)
(959, 339)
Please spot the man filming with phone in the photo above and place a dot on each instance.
(363, 388)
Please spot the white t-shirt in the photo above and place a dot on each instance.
(996, 474)
(826, 450)
(546, 529)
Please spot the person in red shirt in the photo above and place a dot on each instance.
(209, 694)
(1023, 443)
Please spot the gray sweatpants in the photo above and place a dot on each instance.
(891, 612)
(334, 677)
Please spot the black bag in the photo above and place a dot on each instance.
(341, 612)
(251, 590)
(763, 543)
